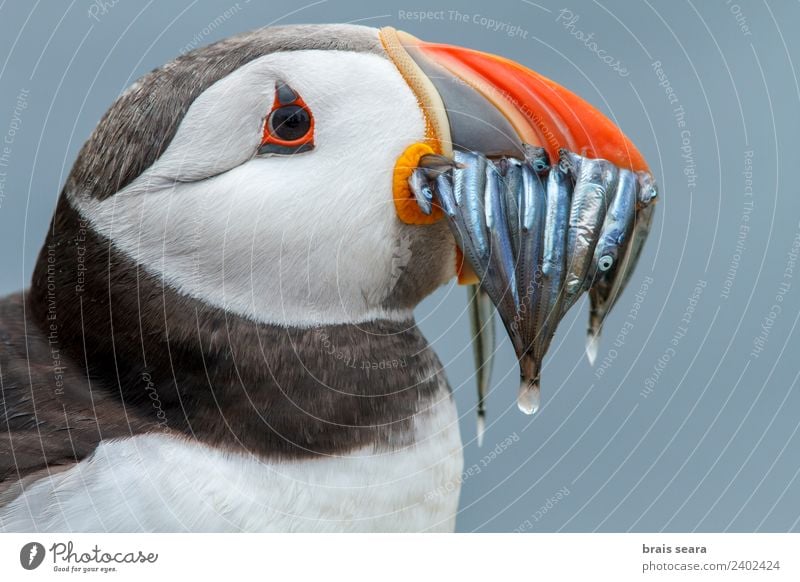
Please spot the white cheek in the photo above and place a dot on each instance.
(298, 239)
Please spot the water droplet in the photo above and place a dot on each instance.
(528, 399)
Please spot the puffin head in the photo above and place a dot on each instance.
(268, 174)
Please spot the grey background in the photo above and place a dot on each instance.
(714, 445)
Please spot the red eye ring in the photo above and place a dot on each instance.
(289, 127)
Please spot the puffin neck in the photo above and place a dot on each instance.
(274, 391)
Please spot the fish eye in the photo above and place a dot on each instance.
(540, 165)
(605, 262)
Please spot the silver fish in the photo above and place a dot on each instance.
(511, 170)
(481, 315)
(468, 189)
(531, 227)
(502, 261)
(531, 223)
(465, 213)
(559, 199)
(604, 293)
(444, 194)
(537, 158)
(486, 233)
(594, 181)
(430, 166)
(531, 194)
(420, 187)
(547, 310)
(613, 243)
(538, 236)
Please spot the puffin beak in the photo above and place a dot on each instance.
(543, 193)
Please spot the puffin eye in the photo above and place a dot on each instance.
(289, 127)
(289, 123)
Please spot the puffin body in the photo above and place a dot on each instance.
(219, 334)
(220, 447)
(234, 351)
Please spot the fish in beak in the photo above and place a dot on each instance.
(625, 229)
(546, 197)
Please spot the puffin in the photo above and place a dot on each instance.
(219, 333)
